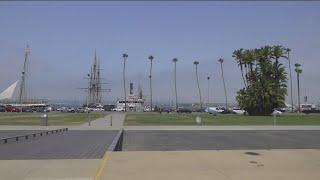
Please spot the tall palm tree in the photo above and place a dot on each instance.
(175, 60)
(125, 56)
(151, 59)
(288, 57)
(298, 71)
(196, 63)
(208, 78)
(224, 84)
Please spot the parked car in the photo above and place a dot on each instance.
(26, 109)
(80, 110)
(70, 110)
(109, 107)
(15, 109)
(276, 112)
(8, 108)
(184, 110)
(118, 109)
(41, 109)
(167, 109)
(238, 111)
(2, 109)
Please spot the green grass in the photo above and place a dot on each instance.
(54, 118)
(138, 119)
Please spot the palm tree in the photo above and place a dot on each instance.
(288, 57)
(208, 78)
(298, 71)
(196, 64)
(239, 56)
(151, 59)
(125, 56)
(224, 84)
(175, 60)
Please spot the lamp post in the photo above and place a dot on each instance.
(291, 96)
(88, 99)
(298, 71)
(208, 78)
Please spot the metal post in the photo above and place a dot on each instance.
(274, 119)
(110, 120)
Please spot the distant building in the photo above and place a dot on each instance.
(134, 102)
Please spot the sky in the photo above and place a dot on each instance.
(64, 35)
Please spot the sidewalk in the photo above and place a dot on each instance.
(117, 121)
(218, 165)
(103, 123)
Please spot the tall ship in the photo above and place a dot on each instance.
(19, 87)
(94, 89)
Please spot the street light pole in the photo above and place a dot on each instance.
(88, 96)
(288, 51)
(208, 78)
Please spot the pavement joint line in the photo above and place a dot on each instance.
(114, 146)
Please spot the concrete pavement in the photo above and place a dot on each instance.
(59, 169)
(103, 123)
(218, 165)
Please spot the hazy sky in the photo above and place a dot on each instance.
(64, 35)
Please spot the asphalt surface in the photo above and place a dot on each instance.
(63, 145)
(219, 140)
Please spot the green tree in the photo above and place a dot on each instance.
(196, 63)
(265, 79)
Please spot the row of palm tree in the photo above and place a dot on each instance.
(246, 61)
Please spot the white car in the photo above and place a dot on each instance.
(213, 110)
(118, 109)
(238, 111)
(276, 112)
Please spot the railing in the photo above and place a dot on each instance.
(42, 133)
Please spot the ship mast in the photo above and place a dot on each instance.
(22, 93)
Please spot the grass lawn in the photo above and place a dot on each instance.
(137, 119)
(54, 118)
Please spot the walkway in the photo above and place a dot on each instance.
(218, 165)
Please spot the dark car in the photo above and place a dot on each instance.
(2, 109)
(166, 109)
(184, 110)
(27, 109)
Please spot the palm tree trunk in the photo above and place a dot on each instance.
(244, 81)
(298, 82)
(175, 84)
(198, 87)
(150, 85)
(224, 86)
(124, 85)
(290, 83)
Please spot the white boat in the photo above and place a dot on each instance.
(8, 93)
